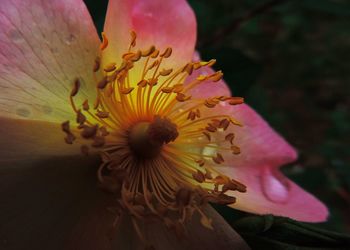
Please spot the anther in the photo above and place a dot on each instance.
(152, 82)
(128, 56)
(69, 139)
(224, 98)
(211, 128)
(239, 186)
(197, 65)
(188, 68)
(218, 158)
(154, 54)
(126, 91)
(224, 199)
(210, 63)
(112, 77)
(80, 117)
(89, 132)
(147, 52)
(177, 88)
(207, 135)
(198, 176)
(191, 115)
(236, 100)
(182, 97)
(230, 137)
(97, 64)
(86, 105)
(224, 124)
(133, 38)
(235, 150)
(200, 162)
(76, 87)
(198, 113)
(65, 127)
(165, 72)
(154, 64)
(136, 56)
(215, 123)
(208, 174)
(102, 114)
(104, 43)
(143, 83)
(110, 67)
(216, 76)
(167, 90)
(167, 52)
(202, 78)
(103, 83)
(209, 103)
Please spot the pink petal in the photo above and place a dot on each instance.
(259, 143)
(269, 192)
(44, 45)
(263, 151)
(162, 23)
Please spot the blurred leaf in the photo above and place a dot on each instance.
(98, 11)
(269, 232)
(240, 71)
(328, 6)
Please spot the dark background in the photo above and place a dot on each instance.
(290, 60)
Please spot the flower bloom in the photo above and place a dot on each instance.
(170, 135)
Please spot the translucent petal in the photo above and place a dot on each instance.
(44, 45)
(156, 22)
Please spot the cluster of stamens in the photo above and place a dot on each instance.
(159, 150)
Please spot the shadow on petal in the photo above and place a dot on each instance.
(95, 232)
(41, 202)
(55, 204)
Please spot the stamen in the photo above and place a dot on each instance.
(158, 145)
(76, 88)
(97, 64)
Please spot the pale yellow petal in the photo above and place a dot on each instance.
(44, 45)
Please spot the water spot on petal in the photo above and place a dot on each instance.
(47, 109)
(54, 50)
(15, 36)
(23, 112)
(274, 185)
(223, 104)
(70, 39)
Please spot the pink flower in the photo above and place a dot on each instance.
(169, 133)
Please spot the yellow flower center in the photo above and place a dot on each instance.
(159, 151)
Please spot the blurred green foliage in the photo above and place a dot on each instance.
(276, 233)
(291, 63)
